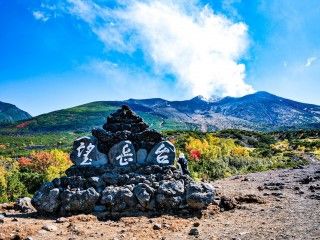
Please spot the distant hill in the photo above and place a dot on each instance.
(10, 113)
(259, 111)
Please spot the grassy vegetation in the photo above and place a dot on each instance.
(15, 146)
(83, 118)
(229, 152)
(26, 161)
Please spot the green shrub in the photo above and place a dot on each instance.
(32, 180)
(15, 188)
(209, 169)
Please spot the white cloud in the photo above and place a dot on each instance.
(41, 16)
(310, 61)
(199, 47)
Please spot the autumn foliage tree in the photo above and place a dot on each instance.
(51, 164)
(212, 147)
(61, 163)
(23, 177)
(214, 157)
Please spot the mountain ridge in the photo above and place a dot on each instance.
(260, 111)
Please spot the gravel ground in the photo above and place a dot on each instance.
(280, 204)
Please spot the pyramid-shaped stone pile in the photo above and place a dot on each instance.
(122, 168)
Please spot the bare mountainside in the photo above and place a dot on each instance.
(10, 113)
(259, 111)
(280, 204)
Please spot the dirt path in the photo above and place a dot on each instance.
(286, 205)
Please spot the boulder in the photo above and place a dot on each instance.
(163, 153)
(171, 188)
(170, 194)
(102, 135)
(168, 202)
(194, 232)
(78, 201)
(46, 199)
(72, 182)
(118, 198)
(24, 205)
(227, 203)
(144, 193)
(199, 196)
(85, 152)
(147, 139)
(123, 154)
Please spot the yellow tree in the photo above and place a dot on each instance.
(60, 164)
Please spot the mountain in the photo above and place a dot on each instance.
(10, 113)
(259, 111)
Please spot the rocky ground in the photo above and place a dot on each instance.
(281, 204)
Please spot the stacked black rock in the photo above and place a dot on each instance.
(123, 168)
(126, 125)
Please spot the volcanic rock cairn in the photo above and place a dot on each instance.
(123, 168)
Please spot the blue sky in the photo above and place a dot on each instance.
(58, 54)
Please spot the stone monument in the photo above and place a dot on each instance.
(123, 168)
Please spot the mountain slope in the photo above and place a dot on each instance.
(86, 117)
(270, 110)
(258, 111)
(10, 113)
